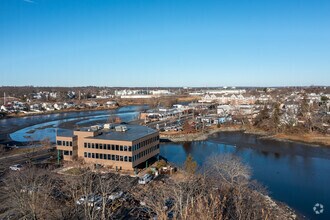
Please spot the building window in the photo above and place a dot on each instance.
(125, 148)
(66, 152)
(109, 146)
(89, 145)
(96, 146)
(96, 155)
(129, 159)
(104, 156)
(129, 148)
(125, 158)
(85, 154)
(59, 143)
(112, 147)
(117, 147)
(89, 155)
(117, 158)
(93, 155)
(71, 143)
(121, 147)
(93, 146)
(121, 158)
(113, 157)
(109, 156)
(85, 145)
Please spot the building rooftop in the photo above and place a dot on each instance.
(133, 132)
(64, 133)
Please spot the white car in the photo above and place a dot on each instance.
(16, 167)
(116, 195)
(90, 200)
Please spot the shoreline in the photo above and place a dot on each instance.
(22, 115)
(201, 136)
(5, 138)
(309, 138)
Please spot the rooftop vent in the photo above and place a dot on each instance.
(95, 128)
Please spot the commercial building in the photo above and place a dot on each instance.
(121, 147)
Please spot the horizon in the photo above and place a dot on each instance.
(164, 43)
(171, 87)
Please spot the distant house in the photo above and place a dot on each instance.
(224, 110)
(3, 108)
(228, 99)
(71, 94)
(47, 106)
(111, 104)
(264, 98)
(69, 105)
(92, 104)
(58, 106)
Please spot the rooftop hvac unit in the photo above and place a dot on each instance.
(121, 128)
(95, 128)
(108, 126)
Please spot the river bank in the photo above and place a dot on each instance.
(20, 115)
(309, 138)
(11, 125)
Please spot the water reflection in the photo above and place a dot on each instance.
(296, 174)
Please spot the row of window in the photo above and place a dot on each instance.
(64, 143)
(108, 157)
(145, 143)
(145, 152)
(108, 147)
(67, 152)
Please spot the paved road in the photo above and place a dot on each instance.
(35, 157)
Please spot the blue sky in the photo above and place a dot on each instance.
(165, 42)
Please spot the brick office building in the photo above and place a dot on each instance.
(122, 147)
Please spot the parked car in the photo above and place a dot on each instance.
(145, 179)
(90, 200)
(116, 195)
(94, 200)
(16, 167)
(29, 189)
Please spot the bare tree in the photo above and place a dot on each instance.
(30, 193)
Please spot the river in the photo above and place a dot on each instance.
(296, 174)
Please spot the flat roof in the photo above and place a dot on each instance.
(64, 133)
(133, 132)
